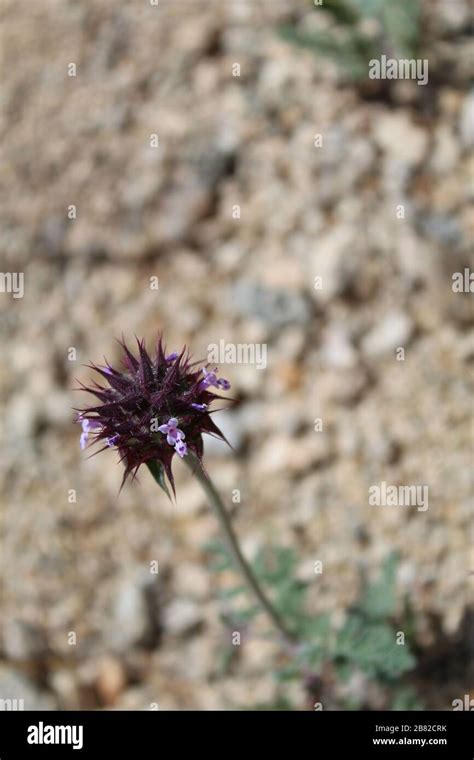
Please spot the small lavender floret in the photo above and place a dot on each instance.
(181, 448)
(88, 426)
(172, 432)
(211, 379)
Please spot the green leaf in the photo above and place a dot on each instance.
(378, 599)
(401, 23)
(349, 45)
(225, 660)
(158, 472)
(276, 565)
(287, 673)
(351, 53)
(221, 557)
(290, 598)
(246, 615)
(231, 593)
(373, 648)
(280, 703)
(314, 655)
(340, 10)
(344, 671)
(370, 8)
(406, 698)
(317, 630)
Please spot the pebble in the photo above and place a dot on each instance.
(333, 261)
(275, 307)
(293, 455)
(466, 122)
(442, 228)
(400, 138)
(129, 623)
(110, 681)
(190, 579)
(393, 331)
(15, 686)
(445, 152)
(336, 348)
(181, 617)
(22, 641)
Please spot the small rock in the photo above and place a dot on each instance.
(130, 619)
(198, 658)
(287, 377)
(348, 441)
(274, 455)
(291, 343)
(191, 500)
(190, 578)
(22, 641)
(257, 652)
(334, 263)
(336, 349)
(466, 122)
(111, 680)
(400, 138)
(442, 228)
(445, 152)
(52, 234)
(344, 386)
(453, 16)
(414, 256)
(393, 331)
(275, 307)
(380, 449)
(183, 206)
(181, 617)
(63, 683)
(281, 453)
(465, 347)
(21, 416)
(24, 695)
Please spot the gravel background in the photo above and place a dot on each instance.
(166, 212)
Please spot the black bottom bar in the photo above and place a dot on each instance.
(154, 734)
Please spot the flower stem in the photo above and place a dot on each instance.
(233, 543)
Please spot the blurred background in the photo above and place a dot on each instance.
(185, 137)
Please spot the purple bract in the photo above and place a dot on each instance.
(152, 409)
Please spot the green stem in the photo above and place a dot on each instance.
(233, 543)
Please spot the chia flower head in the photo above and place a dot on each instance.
(152, 409)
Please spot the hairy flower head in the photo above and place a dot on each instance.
(152, 409)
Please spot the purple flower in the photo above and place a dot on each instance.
(181, 448)
(134, 400)
(173, 433)
(88, 426)
(174, 436)
(210, 379)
